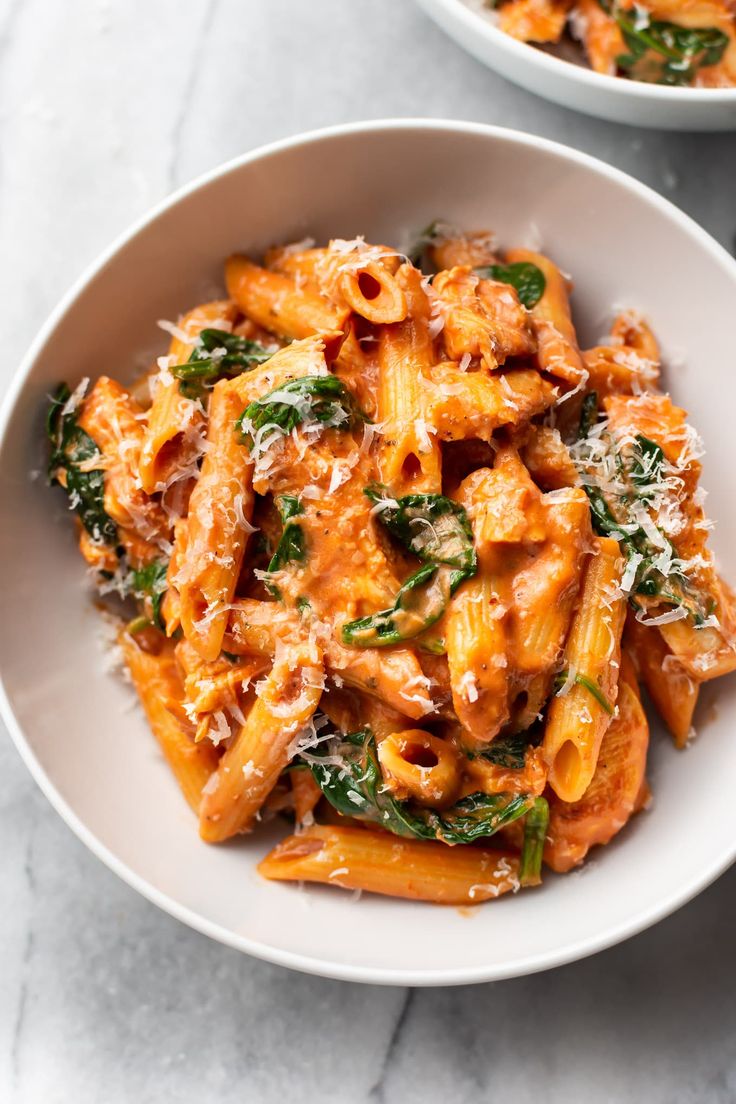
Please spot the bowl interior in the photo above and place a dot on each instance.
(89, 743)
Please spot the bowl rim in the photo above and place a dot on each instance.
(533, 963)
(525, 52)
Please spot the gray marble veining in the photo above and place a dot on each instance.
(105, 106)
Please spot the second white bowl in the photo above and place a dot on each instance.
(577, 86)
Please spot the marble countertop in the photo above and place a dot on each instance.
(105, 106)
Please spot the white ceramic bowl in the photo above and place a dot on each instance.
(577, 86)
(74, 724)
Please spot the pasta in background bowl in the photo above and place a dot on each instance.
(671, 66)
(95, 758)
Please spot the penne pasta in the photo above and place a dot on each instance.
(482, 318)
(577, 721)
(534, 20)
(673, 691)
(557, 346)
(173, 441)
(354, 858)
(159, 686)
(306, 794)
(277, 303)
(450, 247)
(251, 766)
(461, 405)
(417, 764)
(616, 791)
(218, 526)
(372, 575)
(113, 420)
(410, 457)
(218, 315)
(475, 638)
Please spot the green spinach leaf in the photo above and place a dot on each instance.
(291, 548)
(417, 254)
(532, 851)
(508, 752)
(324, 400)
(590, 685)
(438, 532)
(71, 450)
(433, 527)
(148, 584)
(420, 602)
(350, 778)
(527, 278)
(219, 355)
(664, 52)
(588, 414)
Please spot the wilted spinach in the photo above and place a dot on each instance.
(351, 780)
(71, 450)
(219, 355)
(527, 278)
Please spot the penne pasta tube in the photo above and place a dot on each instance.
(299, 260)
(577, 719)
(630, 330)
(357, 366)
(418, 764)
(548, 460)
(218, 315)
(410, 458)
(703, 639)
(113, 420)
(218, 526)
(547, 584)
(534, 20)
(250, 768)
(617, 370)
(307, 357)
(159, 686)
(173, 438)
(673, 691)
(482, 318)
(705, 653)
(475, 638)
(462, 405)
(277, 303)
(616, 791)
(449, 248)
(693, 13)
(358, 858)
(373, 292)
(306, 794)
(558, 352)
